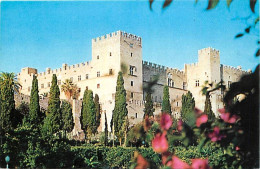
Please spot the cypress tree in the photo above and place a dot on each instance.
(7, 102)
(67, 117)
(91, 114)
(98, 115)
(106, 130)
(148, 106)
(53, 112)
(187, 109)
(120, 110)
(208, 108)
(83, 116)
(34, 107)
(166, 106)
(88, 114)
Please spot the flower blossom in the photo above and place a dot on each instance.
(179, 164)
(201, 119)
(227, 117)
(160, 143)
(215, 135)
(200, 164)
(179, 125)
(141, 162)
(166, 121)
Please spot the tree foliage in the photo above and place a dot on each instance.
(70, 89)
(106, 131)
(208, 108)
(67, 117)
(187, 109)
(52, 123)
(34, 116)
(148, 106)
(166, 105)
(88, 114)
(7, 108)
(98, 110)
(120, 110)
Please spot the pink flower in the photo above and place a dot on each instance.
(166, 121)
(237, 148)
(160, 143)
(201, 119)
(179, 125)
(226, 116)
(215, 135)
(141, 162)
(179, 164)
(197, 111)
(165, 157)
(200, 164)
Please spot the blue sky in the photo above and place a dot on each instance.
(47, 34)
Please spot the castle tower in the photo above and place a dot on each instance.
(207, 69)
(111, 53)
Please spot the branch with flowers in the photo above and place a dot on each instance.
(236, 131)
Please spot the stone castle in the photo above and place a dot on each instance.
(120, 51)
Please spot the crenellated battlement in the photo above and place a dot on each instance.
(175, 71)
(155, 66)
(237, 69)
(208, 49)
(65, 67)
(116, 34)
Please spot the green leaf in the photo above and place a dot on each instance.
(239, 35)
(229, 2)
(252, 5)
(257, 53)
(150, 3)
(167, 3)
(212, 4)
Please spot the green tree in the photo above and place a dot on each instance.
(67, 117)
(120, 110)
(208, 108)
(34, 115)
(88, 114)
(187, 109)
(148, 106)
(52, 123)
(70, 89)
(98, 109)
(166, 106)
(106, 131)
(7, 108)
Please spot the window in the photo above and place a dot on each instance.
(110, 54)
(59, 82)
(177, 104)
(49, 84)
(110, 71)
(229, 83)
(86, 76)
(86, 87)
(24, 80)
(131, 54)
(97, 56)
(172, 83)
(155, 99)
(98, 74)
(131, 70)
(132, 95)
(132, 83)
(184, 85)
(42, 85)
(71, 79)
(29, 89)
(169, 82)
(98, 86)
(79, 78)
(131, 45)
(135, 115)
(79, 90)
(197, 83)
